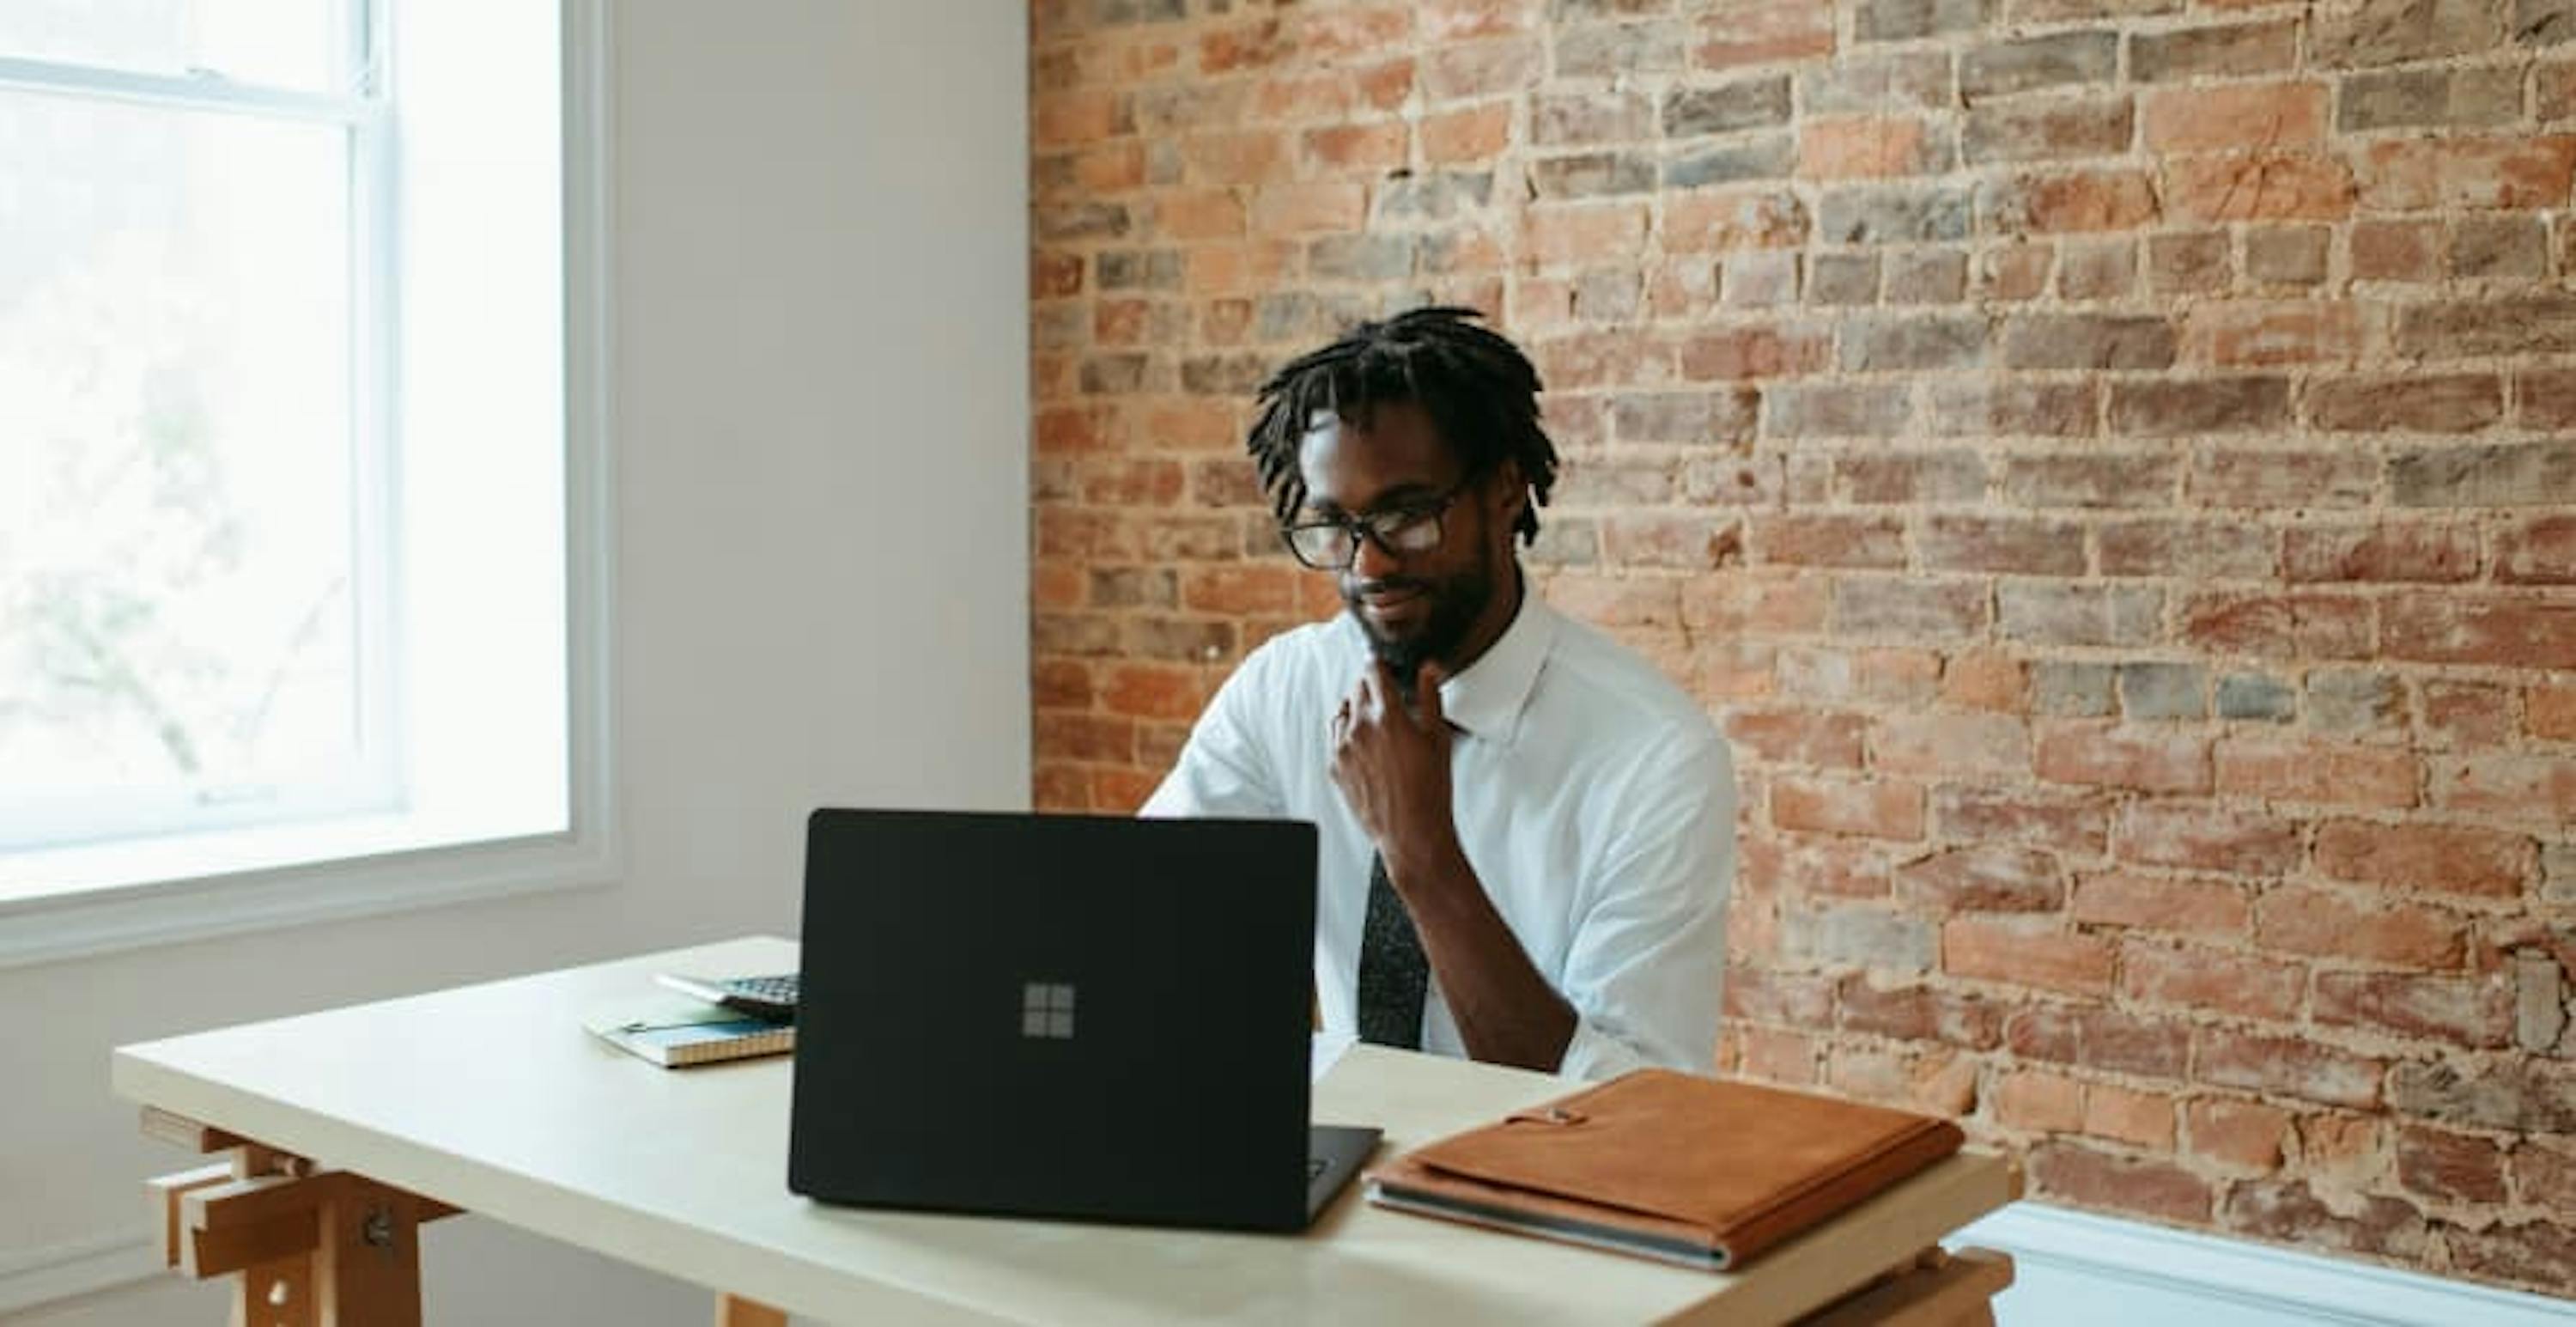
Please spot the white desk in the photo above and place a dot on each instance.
(492, 1099)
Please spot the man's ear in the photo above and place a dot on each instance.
(1513, 495)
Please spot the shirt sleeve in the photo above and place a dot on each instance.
(1646, 969)
(1227, 767)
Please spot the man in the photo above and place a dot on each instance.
(1526, 832)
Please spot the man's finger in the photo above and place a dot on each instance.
(1373, 695)
(1383, 680)
(1428, 701)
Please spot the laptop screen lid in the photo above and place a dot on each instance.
(1063, 1016)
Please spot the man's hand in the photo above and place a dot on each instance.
(1391, 761)
(1392, 765)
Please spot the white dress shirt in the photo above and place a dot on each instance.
(1594, 799)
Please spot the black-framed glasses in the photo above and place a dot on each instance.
(1332, 544)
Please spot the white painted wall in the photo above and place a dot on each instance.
(821, 511)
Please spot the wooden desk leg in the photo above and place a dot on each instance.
(735, 1311)
(1941, 1290)
(275, 1294)
(368, 1266)
(307, 1247)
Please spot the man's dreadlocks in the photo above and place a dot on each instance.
(1478, 388)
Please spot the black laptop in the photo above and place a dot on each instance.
(1061, 1016)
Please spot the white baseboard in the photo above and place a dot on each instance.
(29, 1277)
(2078, 1267)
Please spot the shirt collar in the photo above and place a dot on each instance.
(1486, 701)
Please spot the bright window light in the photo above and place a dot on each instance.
(286, 566)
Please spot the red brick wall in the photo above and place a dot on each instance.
(2110, 463)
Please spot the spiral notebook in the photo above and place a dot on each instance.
(676, 1032)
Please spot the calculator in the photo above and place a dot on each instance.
(772, 997)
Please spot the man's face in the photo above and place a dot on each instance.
(1425, 604)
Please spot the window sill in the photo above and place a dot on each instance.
(67, 904)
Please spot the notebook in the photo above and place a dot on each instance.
(1669, 1166)
(676, 1032)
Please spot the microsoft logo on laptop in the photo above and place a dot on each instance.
(1046, 1010)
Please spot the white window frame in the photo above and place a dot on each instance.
(364, 878)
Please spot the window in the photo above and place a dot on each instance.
(299, 492)
(191, 612)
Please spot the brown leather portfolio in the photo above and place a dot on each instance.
(1667, 1165)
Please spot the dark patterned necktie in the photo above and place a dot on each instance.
(1394, 976)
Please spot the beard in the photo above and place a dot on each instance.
(1455, 604)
